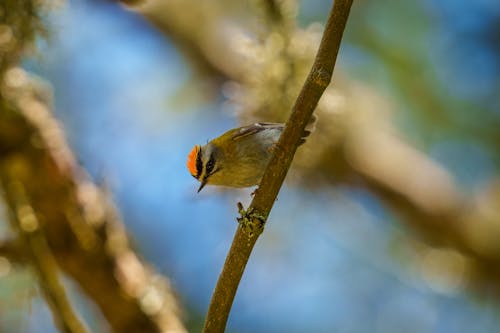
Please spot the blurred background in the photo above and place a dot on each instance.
(390, 217)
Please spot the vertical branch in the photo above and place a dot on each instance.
(243, 242)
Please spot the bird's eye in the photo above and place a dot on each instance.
(210, 165)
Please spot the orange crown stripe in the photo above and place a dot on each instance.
(191, 162)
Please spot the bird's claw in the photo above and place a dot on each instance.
(251, 221)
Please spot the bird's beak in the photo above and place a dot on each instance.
(202, 185)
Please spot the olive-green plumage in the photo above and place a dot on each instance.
(238, 157)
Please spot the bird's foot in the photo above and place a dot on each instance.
(251, 221)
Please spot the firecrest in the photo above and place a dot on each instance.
(238, 157)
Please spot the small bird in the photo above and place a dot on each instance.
(237, 158)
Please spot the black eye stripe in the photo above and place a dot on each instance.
(199, 165)
(210, 165)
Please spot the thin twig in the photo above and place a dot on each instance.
(243, 243)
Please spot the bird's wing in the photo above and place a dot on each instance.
(254, 128)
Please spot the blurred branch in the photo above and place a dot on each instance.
(82, 229)
(178, 23)
(19, 24)
(181, 21)
(244, 240)
(417, 190)
(44, 264)
(13, 251)
(273, 9)
(347, 146)
(409, 76)
(416, 82)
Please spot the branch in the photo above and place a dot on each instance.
(243, 242)
(337, 135)
(81, 228)
(44, 264)
(273, 9)
(13, 251)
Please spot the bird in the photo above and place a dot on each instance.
(238, 157)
